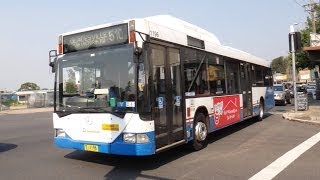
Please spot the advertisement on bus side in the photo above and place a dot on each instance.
(226, 110)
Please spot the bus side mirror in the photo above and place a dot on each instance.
(137, 52)
(138, 47)
(52, 59)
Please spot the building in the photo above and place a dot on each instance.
(314, 55)
(37, 98)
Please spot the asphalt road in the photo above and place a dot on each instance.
(282, 109)
(238, 152)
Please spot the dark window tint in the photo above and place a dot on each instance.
(259, 76)
(262, 76)
(144, 87)
(232, 75)
(268, 80)
(195, 72)
(195, 42)
(216, 75)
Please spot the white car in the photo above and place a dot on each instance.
(281, 95)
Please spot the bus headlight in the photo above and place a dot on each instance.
(129, 138)
(60, 133)
(135, 138)
(142, 138)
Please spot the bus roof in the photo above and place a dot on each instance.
(171, 29)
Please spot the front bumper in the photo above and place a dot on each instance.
(279, 98)
(117, 147)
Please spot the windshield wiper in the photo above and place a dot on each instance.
(95, 109)
(69, 109)
(71, 95)
(102, 110)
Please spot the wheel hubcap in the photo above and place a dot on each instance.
(201, 131)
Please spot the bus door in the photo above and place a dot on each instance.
(166, 95)
(246, 84)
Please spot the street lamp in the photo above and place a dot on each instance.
(292, 32)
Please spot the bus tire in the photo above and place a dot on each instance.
(261, 111)
(200, 132)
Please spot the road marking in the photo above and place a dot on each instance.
(285, 160)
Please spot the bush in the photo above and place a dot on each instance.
(10, 102)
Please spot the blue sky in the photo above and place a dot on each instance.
(29, 29)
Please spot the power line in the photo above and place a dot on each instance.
(298, 3)
(311, 9)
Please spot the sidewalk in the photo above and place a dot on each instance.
(312, 115)
(26, 111)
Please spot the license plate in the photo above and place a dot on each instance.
(90, 147)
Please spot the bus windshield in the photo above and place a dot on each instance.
(97, 80)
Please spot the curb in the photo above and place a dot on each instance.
(286, 116)
(26, 111)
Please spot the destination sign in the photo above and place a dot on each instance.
(96, 38)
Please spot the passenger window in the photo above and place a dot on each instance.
(195, 73)
(216, 75)
(232, 75)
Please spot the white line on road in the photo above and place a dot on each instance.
(285, 160)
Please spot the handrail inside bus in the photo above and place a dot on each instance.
(194, 79)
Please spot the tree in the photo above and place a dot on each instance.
(71, 87)
(279, 65)
(302, 59)
(28, 86)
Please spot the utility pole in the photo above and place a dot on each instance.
(293, 67)
(310, 8)
(0, 102)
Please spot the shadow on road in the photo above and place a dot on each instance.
(217, 135)
(7, 147)
(131, 167)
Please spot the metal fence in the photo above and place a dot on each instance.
(35, 100)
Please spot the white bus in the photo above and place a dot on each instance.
(142, 86)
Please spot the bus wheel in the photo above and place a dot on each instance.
(200, 132)
(261, 111)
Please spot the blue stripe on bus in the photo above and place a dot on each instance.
(255, 110)
(241, 115)
(117, 147)
(211, 124)
(189, 127)
(269, 100)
